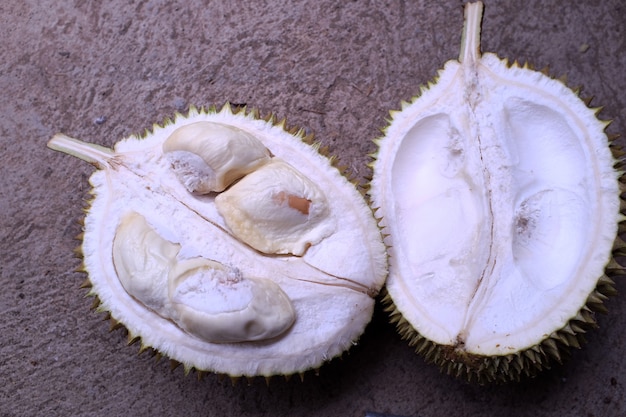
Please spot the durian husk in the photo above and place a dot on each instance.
(557, 346)
(132, 339)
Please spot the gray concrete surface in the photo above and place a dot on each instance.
(103, 70)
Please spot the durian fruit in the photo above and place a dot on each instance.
(499, 196)
(230, 244)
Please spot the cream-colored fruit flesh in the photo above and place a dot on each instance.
(208, 157)
(329, 288)
(206, 298)
(277, 210)
(497, 189)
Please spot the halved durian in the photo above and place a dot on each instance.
(229, 288)
(498, 192)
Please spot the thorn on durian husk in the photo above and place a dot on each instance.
(309, 139)
(270, 118)
(114, 324)
(619, 165)
(132, 339)
(597, 111)
(617, 151)
(174, 364)
(587, 101)
(323, 150)
(142, 349)
(606, 285)
(95, 304)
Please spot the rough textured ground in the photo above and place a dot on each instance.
(103, 70)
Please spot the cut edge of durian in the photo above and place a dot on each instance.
(554, 348)
(131, 340)
(525, 363)
(114, 324)
(529, 362)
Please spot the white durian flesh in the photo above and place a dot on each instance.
(498, 193)
(163, 261)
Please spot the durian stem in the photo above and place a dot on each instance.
(94, 154)
(470, 41)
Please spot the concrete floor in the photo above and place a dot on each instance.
(104, 70)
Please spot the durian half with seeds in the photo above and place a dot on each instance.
(230, 244)
(498, 191)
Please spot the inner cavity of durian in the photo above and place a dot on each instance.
(490, 213)
(265, 203)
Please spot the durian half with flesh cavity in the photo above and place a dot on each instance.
(497, 189)
(230, 244)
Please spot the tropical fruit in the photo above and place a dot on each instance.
(229, 244)
(497, 189)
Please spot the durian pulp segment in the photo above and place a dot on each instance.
(331, 286)
(497, 189)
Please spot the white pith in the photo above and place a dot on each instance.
(331, 286)
(497, 189)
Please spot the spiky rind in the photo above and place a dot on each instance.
(525, 363)
(458, 363)
(531, 361)
(555, 347)
(133, 339)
